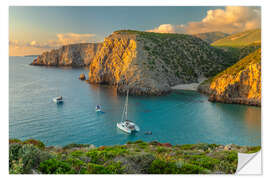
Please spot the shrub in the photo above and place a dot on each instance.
(204, 161)
(161, 167)
(30, 156)
(113, 168)
(191, 169)
(14, 152)
(34, 142)
(161, 149)
(100, 156)
(73, 145)
(16, 167)
(54, 166)
(11, 141)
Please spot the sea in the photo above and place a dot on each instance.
(181, 117)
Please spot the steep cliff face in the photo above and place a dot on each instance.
(149, 63)
(69, 55)
(240, 83)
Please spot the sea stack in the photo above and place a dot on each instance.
(82, 76)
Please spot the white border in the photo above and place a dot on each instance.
(265, 75)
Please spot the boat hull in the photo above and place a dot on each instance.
(127, 130)
(57, 101)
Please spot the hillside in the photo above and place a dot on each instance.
(150, 63)
(210, 37)
(240, 83)
(32, 157)
(240, 39)
(70, 55)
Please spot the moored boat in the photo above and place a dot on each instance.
(125, 124)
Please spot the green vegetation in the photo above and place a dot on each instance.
(211, 36)
(252, 58)
(133, 158)
(182, 56)
(240, 39)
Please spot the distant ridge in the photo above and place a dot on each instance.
(210, 37)
(240, 39)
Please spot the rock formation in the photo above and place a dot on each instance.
(150, 63)
(75, 55)
(82, 76)
(240, 83)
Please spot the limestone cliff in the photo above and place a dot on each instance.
(240, 83)
(69, 55)
(150, 63)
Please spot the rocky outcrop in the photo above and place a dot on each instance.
(75, 55)
(82, 76)
(150, 63)
(240, 83)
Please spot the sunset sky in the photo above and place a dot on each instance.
(33, 30)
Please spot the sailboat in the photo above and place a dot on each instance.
(58, 100)
(125, 124)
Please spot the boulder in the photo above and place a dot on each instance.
(82, 76)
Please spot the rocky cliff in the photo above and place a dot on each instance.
(70, 55)
(240, 83)
(150, 63)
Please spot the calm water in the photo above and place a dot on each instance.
(179, 118)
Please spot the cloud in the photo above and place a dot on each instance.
(231, 20)
(72, 38)
(168, 28)
(61, 39)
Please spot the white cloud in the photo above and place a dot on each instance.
(72, 38)
(232, 19)
(61, 39)
(168, 28)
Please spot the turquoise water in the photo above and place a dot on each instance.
(179, 118)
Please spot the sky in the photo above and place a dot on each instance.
(33, 30)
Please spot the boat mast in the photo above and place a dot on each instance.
(126, 113)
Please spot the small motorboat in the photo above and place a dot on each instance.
(98, 108)
(58, 100)
(127, 125)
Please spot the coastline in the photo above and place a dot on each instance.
(191, 86)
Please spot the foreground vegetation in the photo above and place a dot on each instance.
(32, 157)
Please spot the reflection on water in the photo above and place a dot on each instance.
(182, 117)
(253, 117)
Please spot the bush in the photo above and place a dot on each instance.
(30, 156)
(25, 157)
(191, 169)
(54, 166)
(11, 141)
(100, 156)
(161, 167)
(34, 142)
(73, 145)
(14, 152)
(113, 168)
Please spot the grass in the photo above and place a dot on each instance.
(240, 39)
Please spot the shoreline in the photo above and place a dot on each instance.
(191, 86)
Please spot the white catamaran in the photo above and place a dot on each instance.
(125, 124)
